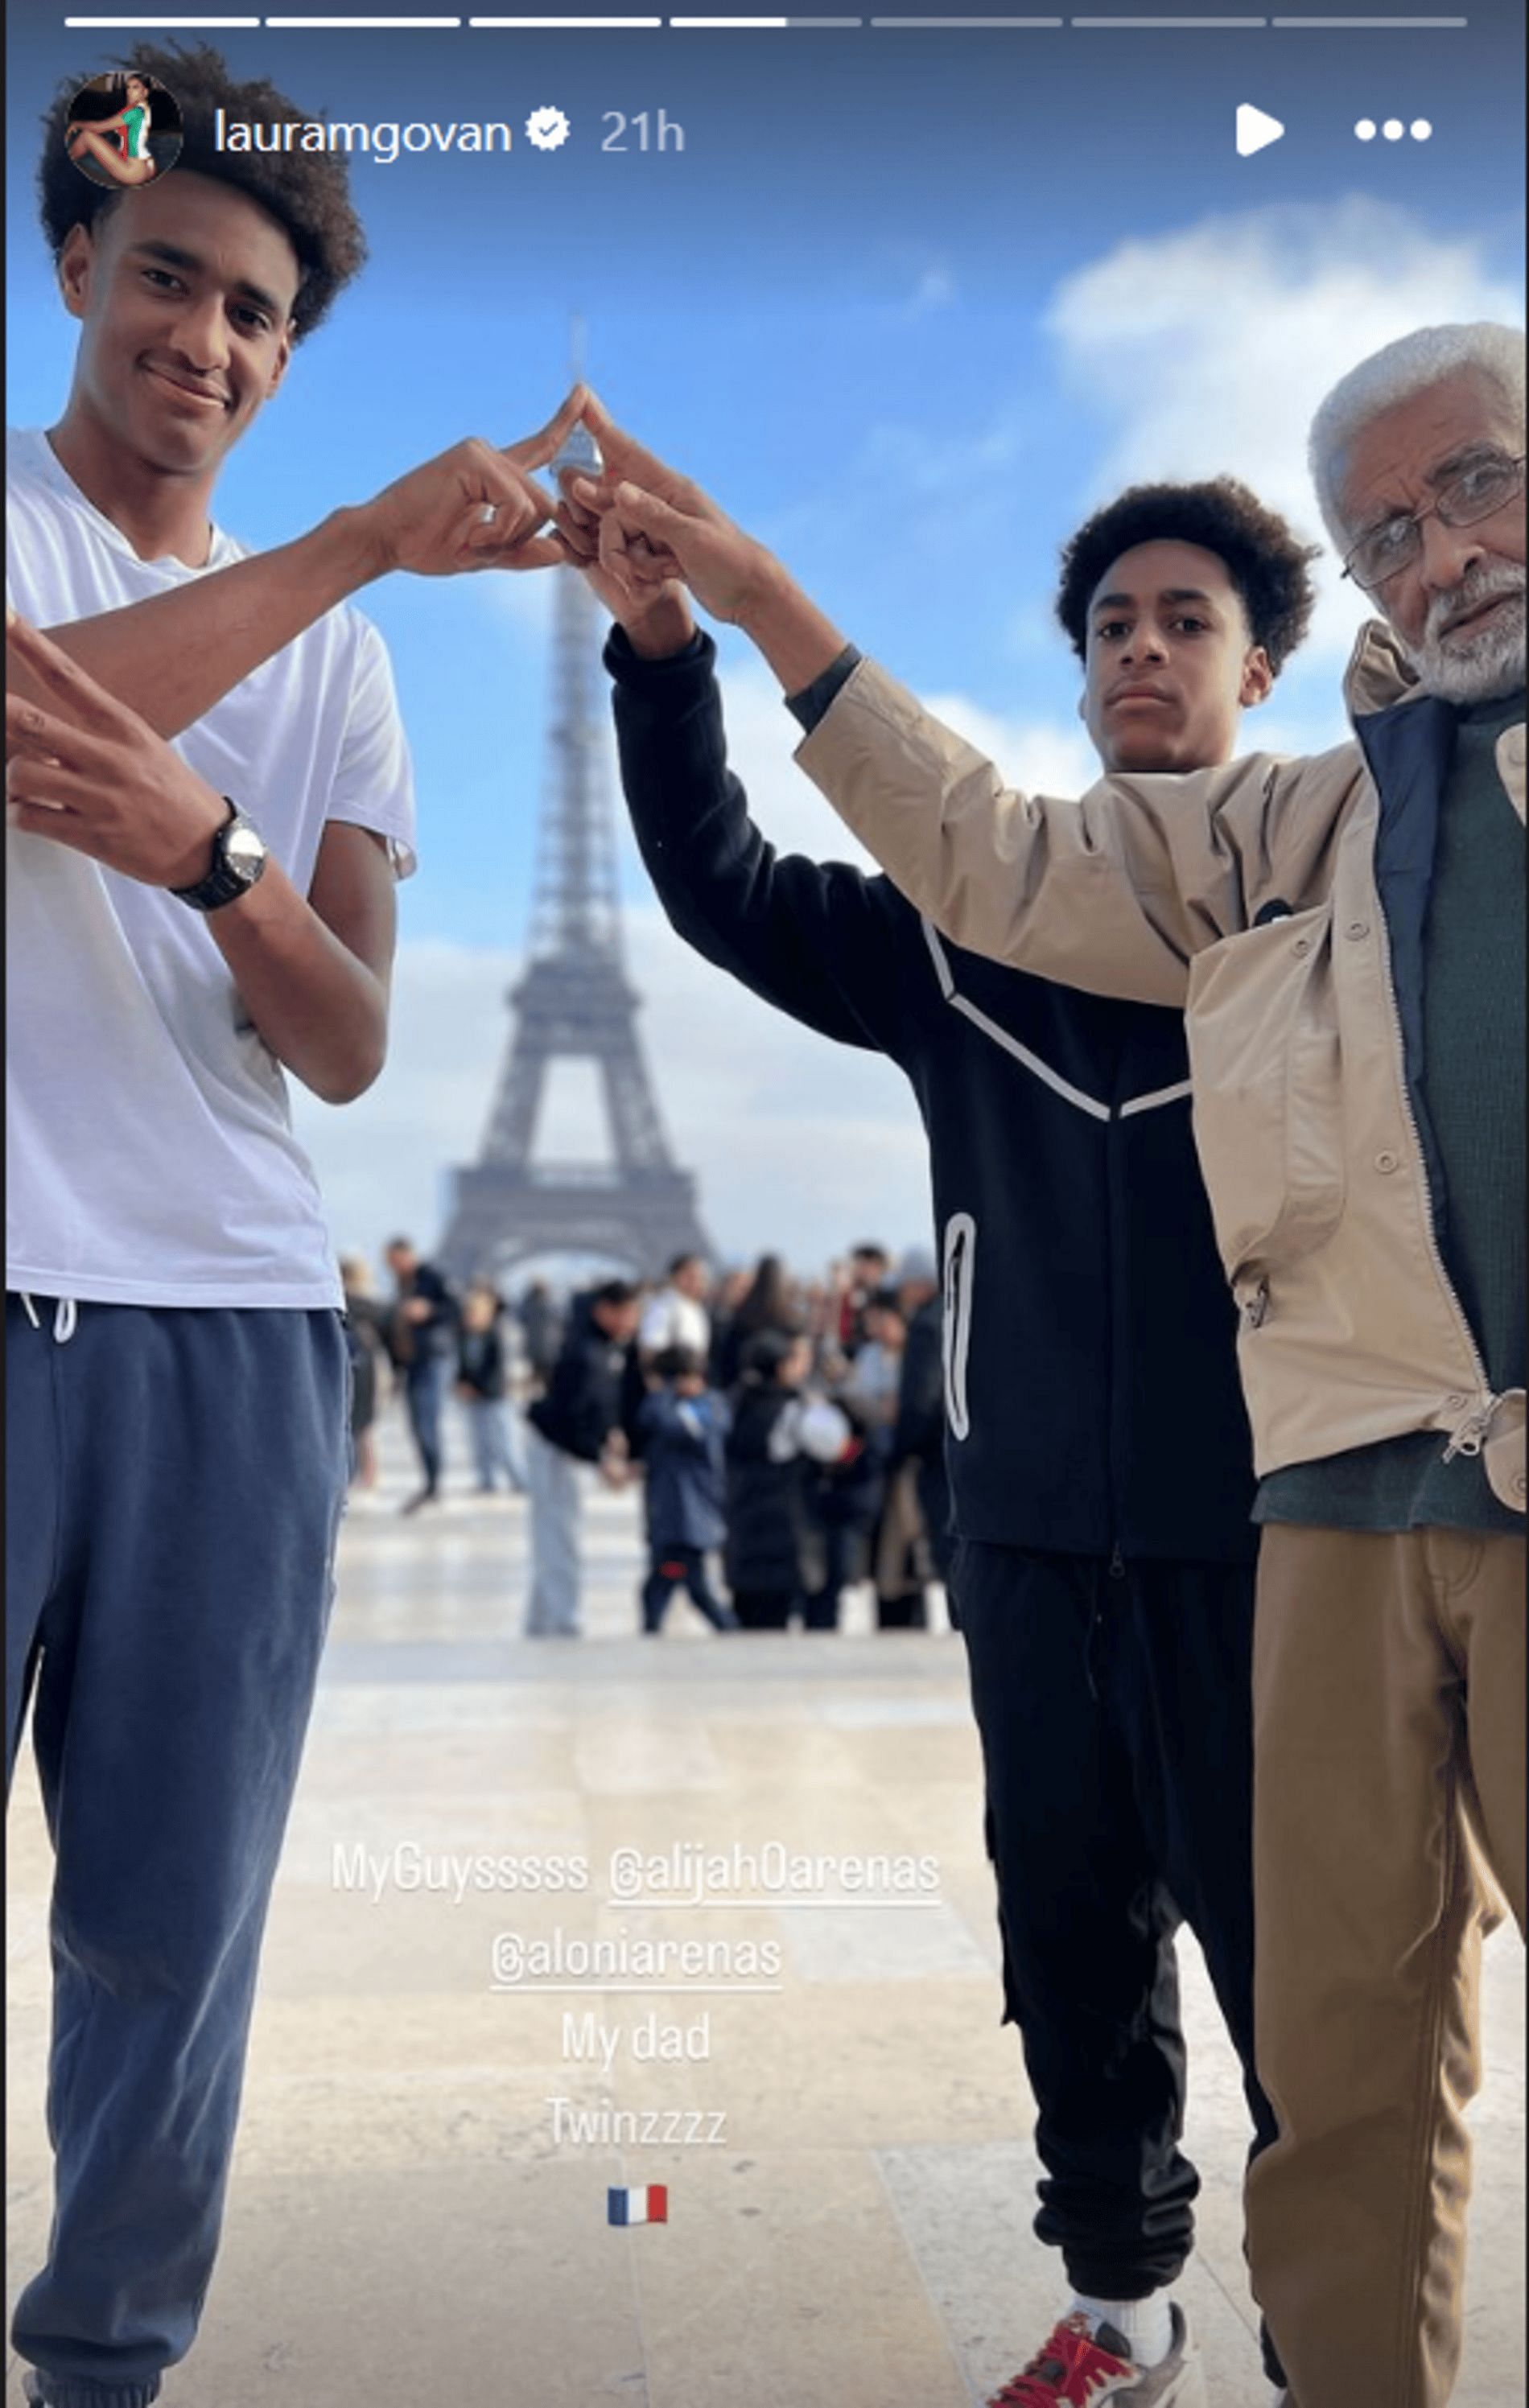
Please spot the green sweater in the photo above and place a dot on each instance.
(1473, 1084)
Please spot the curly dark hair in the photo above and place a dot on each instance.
(1267, 562)
(307, 191)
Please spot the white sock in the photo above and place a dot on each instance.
(1146, 2324)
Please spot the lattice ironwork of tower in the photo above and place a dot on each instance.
(575, 1003)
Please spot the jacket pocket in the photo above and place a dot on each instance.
(1266, 1059)
(960, 1240)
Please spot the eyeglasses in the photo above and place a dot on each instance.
(1486, 486)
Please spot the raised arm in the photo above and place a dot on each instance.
(176, 654)
(817, 940)
(1114, 892)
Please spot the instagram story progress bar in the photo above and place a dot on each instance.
(904, 22)
(151, 21)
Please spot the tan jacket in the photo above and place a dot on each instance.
(1153, 887)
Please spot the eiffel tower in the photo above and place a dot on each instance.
(573, 1004)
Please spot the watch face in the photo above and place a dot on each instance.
(243, 851)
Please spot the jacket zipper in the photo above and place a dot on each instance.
(1470, 1437)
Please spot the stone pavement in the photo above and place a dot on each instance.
(847, 2144)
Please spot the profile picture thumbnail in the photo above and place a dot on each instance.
(124, 129)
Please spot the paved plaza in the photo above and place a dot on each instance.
(431, 2127)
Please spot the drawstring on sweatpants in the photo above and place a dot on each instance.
(66, 1316)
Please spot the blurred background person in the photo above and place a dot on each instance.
(843, 1503)
(871, 1382)
(677, 1314)
(819, 1314)
(422, 1341)
(729, 1294)
(766, 1306)
(486, 1352)
(858, 1282)
(683, 1425)
(776, 1434)
(588, 1415)
(541, 1320)
(872, 1390)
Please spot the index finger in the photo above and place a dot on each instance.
(32, 730)
(623, 453)
(536, 450)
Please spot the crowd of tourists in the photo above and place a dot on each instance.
(790, 1429)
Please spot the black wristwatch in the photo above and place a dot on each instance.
(238, 856)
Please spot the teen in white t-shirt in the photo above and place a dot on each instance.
(177, 1372)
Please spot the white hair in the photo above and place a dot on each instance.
(1412, 365)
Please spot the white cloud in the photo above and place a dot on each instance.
(799, 1144)
(1209, 349)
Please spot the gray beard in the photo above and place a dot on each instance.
(1481, 670)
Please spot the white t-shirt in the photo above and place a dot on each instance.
(148, 1137)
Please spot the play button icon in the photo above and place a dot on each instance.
(1256, 130)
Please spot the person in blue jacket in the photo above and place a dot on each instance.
(1098, 1451)
(684, 1426)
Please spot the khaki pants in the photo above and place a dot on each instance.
(1389, 1755)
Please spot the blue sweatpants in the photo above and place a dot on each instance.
(174, 1483)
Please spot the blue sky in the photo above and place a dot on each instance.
(908, 304)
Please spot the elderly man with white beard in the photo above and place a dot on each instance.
(1346, 935)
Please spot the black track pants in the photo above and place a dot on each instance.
(1115, 1709)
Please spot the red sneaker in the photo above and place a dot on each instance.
(1080, 2368)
